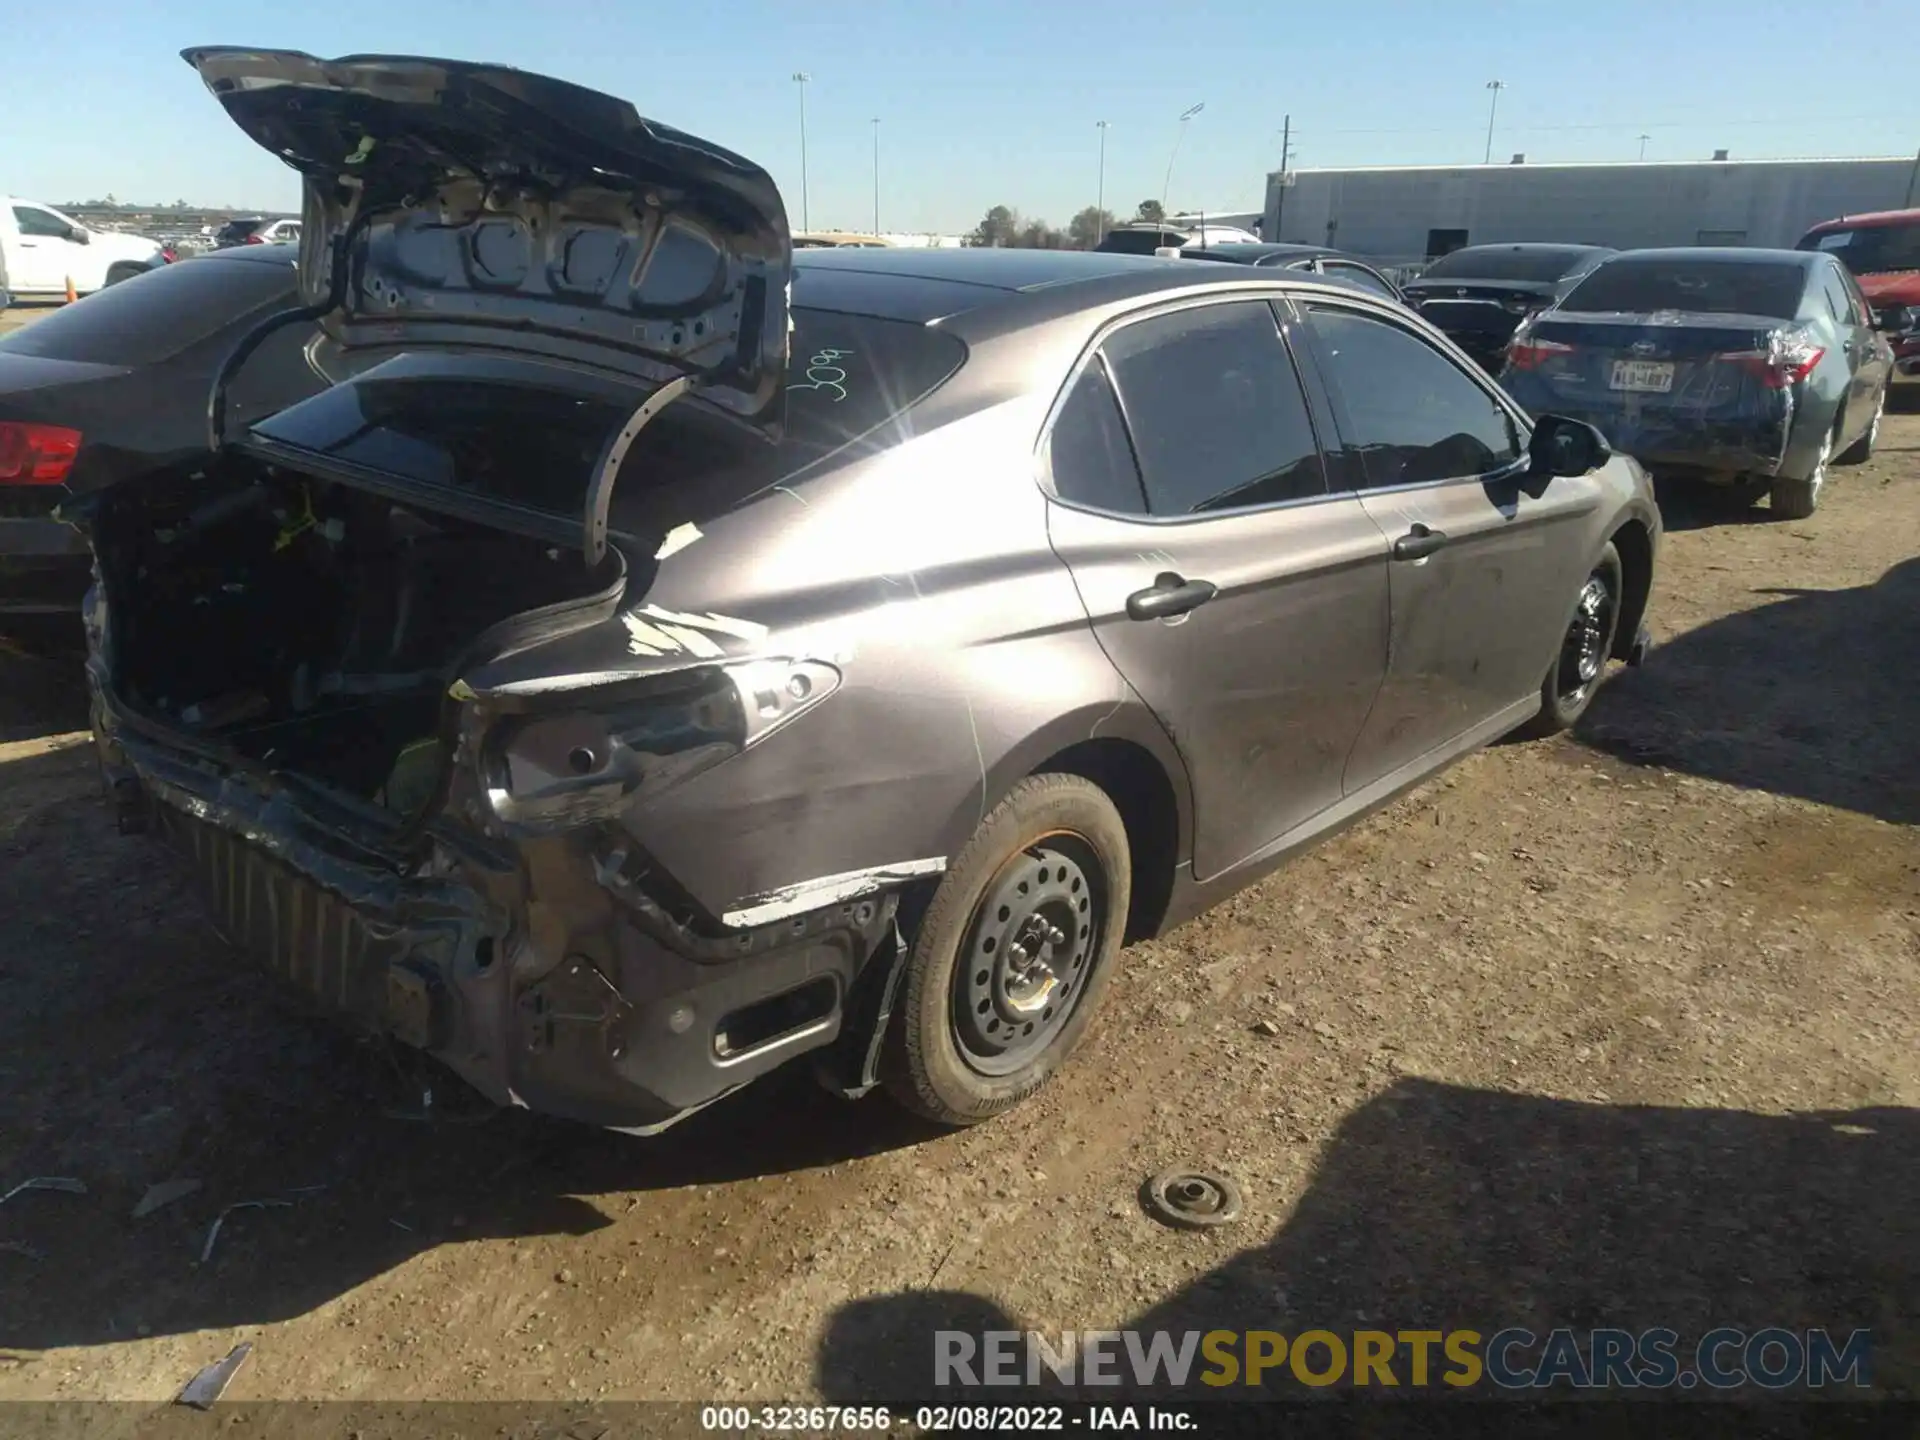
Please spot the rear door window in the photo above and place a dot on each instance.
(1840, 296)
(1215, 410)
(1411, 414)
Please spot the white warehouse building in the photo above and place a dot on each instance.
(1410, 213)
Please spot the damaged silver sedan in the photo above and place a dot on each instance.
(653, 659)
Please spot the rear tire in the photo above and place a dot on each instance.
(1797, 498)
(1577, 671)
(1861, 450)
(1051, 857)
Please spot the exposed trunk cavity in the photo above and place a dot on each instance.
(315, 629)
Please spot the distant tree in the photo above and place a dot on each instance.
(1039, 235)
(1151, 212)
(1000, 226)
(1087, 229)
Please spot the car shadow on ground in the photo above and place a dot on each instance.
(1438, 1207)
(43, 688)
(1809, 694)
(1689, 504)
(137, 1048)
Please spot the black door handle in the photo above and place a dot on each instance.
(1169, 595)
(1418, 543)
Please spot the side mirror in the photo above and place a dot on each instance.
(79, 236)
(1565, 447)
(1895, 318)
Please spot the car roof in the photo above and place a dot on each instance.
(988, 291)
(1253, 253)
(935, 283)
(282, 253)
(1724, 254)
(1530, 247)
(1869, 219)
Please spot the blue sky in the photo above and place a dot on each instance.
(992, 101)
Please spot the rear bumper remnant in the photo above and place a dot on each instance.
(493, 961)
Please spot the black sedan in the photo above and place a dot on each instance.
(116, 385)
(1312, 259)
(1753, 369)
(1479, 294)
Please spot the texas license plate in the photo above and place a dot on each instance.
(1650, 375)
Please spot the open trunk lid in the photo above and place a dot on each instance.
(487, 225)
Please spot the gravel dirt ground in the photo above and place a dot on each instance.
(1620, 1028)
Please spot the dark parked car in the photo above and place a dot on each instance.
(256, 230)
(115, 386)
(616, 693)
(1748, 368)
(1478, 295)
(1311, 259)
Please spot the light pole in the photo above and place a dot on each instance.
(800, 78)
(1286, 161)
(1100, 190)
(1643, 145)
(1166, 186)
(1496, 86)
(876, 177)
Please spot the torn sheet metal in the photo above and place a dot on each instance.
(827, 890)
(213, 1231)
(729, 625)
(678, 539)
(62, 1183)
(694, 642)
(644, 639)
(654, 631)
(164, 1194)
(211, 1383)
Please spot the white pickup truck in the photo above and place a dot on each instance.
(41, 249)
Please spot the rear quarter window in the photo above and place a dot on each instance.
(159, 314)
(848, 375)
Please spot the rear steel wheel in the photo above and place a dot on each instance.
(1028, 948)
(1012, 954)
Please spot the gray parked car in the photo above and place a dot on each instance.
(1752, 369)
(1316, 259)
(616, 692)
